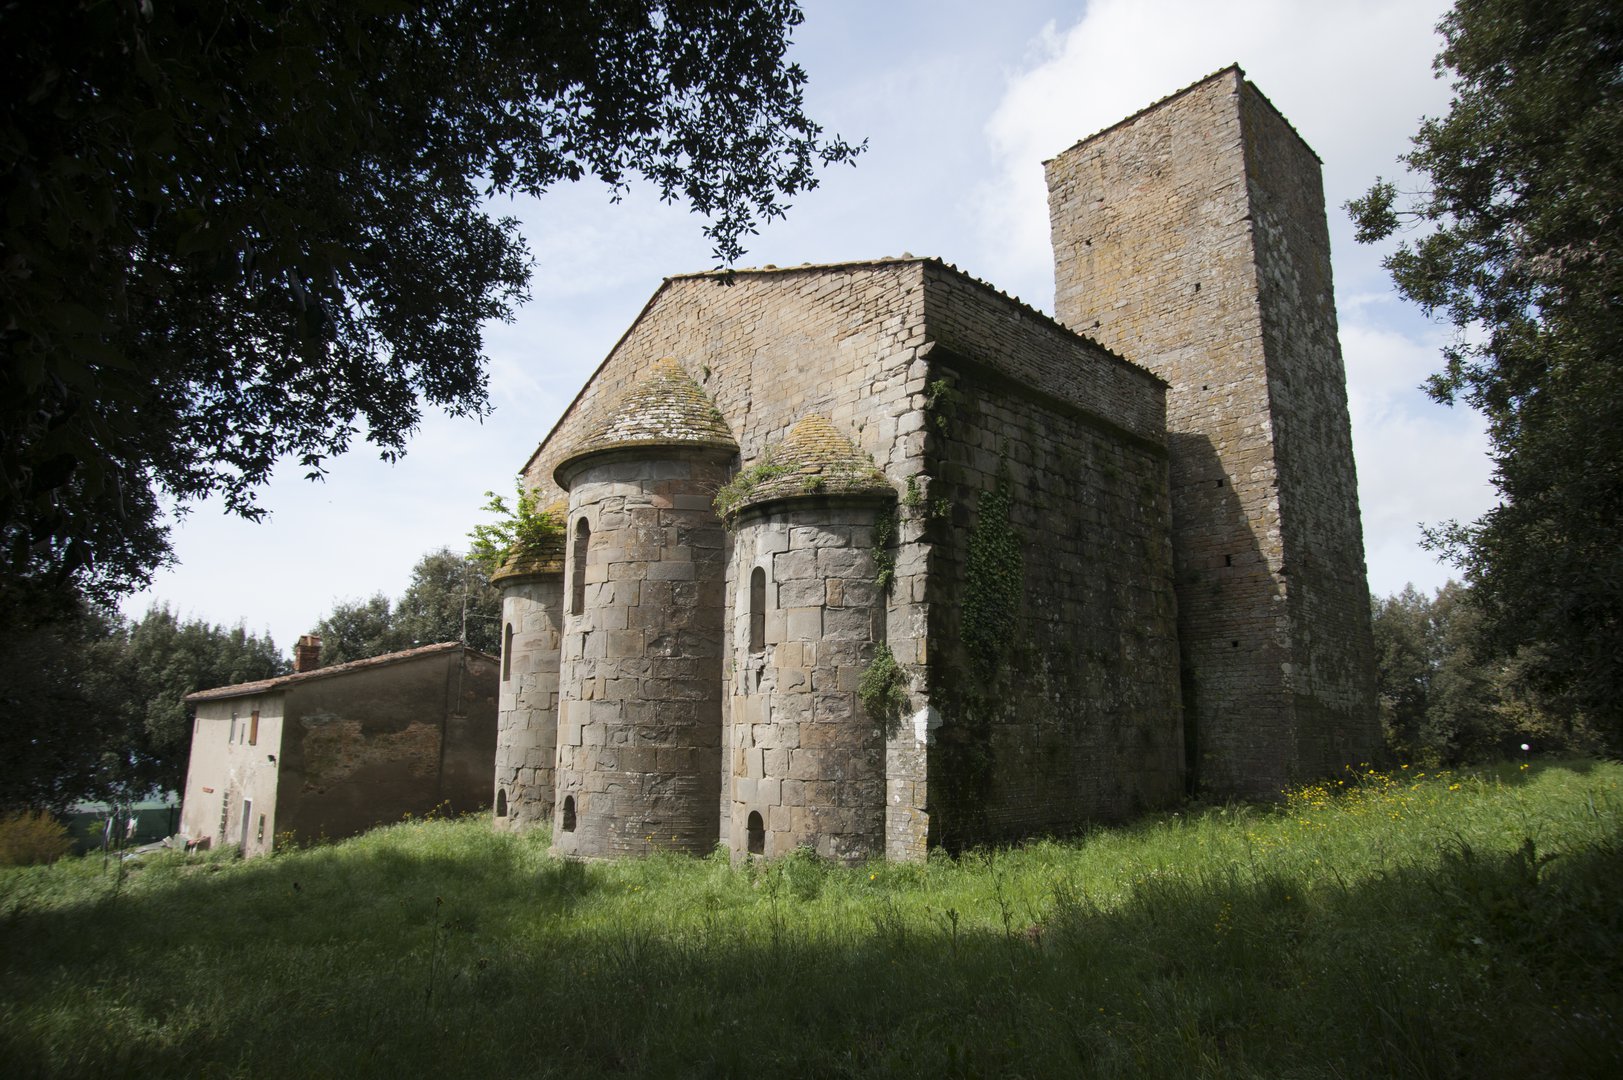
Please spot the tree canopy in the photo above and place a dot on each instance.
(1519, 244)
(448, 599)
(94, 706)
(236, 231)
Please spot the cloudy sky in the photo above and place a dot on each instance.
(961, 100)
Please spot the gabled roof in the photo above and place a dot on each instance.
(281, 682)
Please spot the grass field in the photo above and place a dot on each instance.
(1388, 925)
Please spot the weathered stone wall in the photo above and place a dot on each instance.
(804, 754)
(1167, 229)
(370, 745)
(771, 347)
(640, 711)
(1053, 674)
(1332, 672)
(527, 714)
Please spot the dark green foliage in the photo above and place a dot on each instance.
(994, 581)
(92, 706)
(167, 658)
(357, 629)
(1521, 247)
(521, 527)
(235, 232)
(448, 599)
(883, 690)
(1446, 696)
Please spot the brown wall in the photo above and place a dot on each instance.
(1048, 501)
(366, 747)
(1191, 239)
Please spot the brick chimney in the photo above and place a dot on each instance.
(307, 653)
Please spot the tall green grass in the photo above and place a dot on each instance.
(1391, 925)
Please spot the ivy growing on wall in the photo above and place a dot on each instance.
(883, 690)
(993, 579)
(884, 549)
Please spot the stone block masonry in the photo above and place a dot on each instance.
(1191, 237)
(1106, 553)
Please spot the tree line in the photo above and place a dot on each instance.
(94, 703)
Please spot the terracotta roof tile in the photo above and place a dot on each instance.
(262, 686)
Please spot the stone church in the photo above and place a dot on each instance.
(874, 558)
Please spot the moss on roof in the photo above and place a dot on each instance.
(539, 559)
(664, 408)
(815, 460)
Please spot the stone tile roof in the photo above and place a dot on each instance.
(547, 558)
(815, 460)
(280, 682)
(664, 408)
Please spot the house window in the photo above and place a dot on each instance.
(577, 584)
(569, 813)
(261, 836)
(757, 834)
(507, 653)
(231, 734)
(758, 610)
(253, 729)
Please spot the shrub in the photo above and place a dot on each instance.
(32, 836)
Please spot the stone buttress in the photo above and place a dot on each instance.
(641, 666)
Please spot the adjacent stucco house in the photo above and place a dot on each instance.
(335, 751)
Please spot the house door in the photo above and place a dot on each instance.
(247, 816)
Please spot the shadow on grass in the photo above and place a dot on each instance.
(495, 962)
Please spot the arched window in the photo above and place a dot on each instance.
(501, 802)
(569, 814)
(758, 610)
(577, 583)
(507, 653)
(757, 834)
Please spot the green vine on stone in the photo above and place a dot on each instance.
(884, 552)
(522, 527)
(941, 400)
(994, 579)
(732, 494)
(883, 689)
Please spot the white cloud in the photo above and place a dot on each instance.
(1352, 77)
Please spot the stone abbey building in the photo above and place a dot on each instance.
(872, 557)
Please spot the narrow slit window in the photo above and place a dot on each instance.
(253, 728)
(577, 584)
(757, 834)
(569, 814)
(501, 802)
(758, 610)
(507, 653)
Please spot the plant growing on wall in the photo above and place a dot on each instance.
(520, 527)
(883, 689)
(993, 580)
(732, 494)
